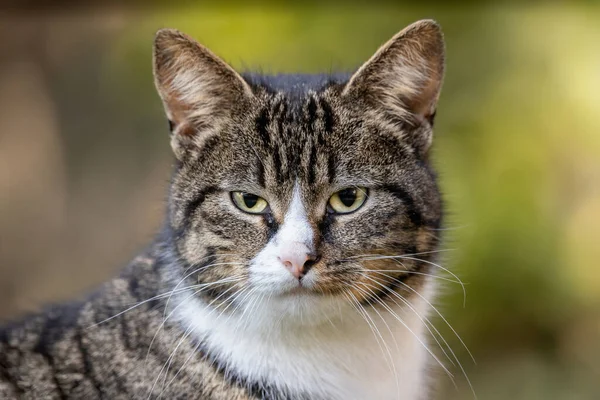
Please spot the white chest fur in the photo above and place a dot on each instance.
(345, 355)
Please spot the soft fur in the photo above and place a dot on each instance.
(210, 311)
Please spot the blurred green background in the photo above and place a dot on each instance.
(85, 160)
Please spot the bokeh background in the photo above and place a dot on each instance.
(85, 160)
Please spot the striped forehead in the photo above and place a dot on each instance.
(294, 136)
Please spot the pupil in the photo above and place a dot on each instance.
(347, 197)
(250, 200)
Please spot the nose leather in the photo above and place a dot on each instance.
(296, 257)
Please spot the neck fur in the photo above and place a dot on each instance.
(318, 348)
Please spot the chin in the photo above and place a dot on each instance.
(293, 306)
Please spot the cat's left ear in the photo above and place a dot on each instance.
(200, 91)
(403, 80)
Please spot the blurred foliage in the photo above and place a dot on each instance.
(517, 149)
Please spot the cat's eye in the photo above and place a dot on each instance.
(347, 200)
(249, 202)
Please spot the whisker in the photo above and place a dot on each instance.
(204, 258)
(404, 271)
(240, 301)
(365, 290)
(232, 300)
(453, 331)
(191, 354)
(415, 336)
(427, 262)
(361, 310)
(435, 309)
(240, 278)
(445, 270)
(368, 293)
(442, 317)
(401, 255)
(426, 322)
(451, 228)
(246, 307)
(196, 271)
(186, 334)
(157, 297)
(245, 318)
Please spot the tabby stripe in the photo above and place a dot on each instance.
(331, 167)
(312, 163)
(297, 149)
(328, 118)
(125, 333)
(9, 379)
(272, 226)
(193, 205)
(43, 348)
(324, 227)
(322, 132)
(312, 111)
(53, 372)
(208, 293)
(261, 123)
(260, 172)
(133, 284)
(413, 250)
(277, 166)
(414, 214)
(194, 278)
(281, 116)
(311, 118)
(208, 147)
(431, 118)
(214, 224)
(120, 382)
(134, 288)
(87, 363)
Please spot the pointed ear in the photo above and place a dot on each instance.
(404, 77)
(199, 91)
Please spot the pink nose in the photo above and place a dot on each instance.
(297, 258)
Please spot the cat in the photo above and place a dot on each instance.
(297, 256)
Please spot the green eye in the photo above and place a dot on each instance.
(348, 200)
(249, 202)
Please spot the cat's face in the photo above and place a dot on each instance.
(304, 196)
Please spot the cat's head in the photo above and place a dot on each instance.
(301, 193)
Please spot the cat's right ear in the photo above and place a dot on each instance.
(200, 92)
